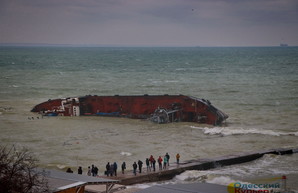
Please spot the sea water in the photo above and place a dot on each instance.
(256, 86)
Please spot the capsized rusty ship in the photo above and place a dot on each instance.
(158, 108)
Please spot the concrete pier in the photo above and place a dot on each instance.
(200, 164)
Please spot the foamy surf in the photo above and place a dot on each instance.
(266, 170)
(212, 177)
(226, 131)
(243, 174)
(126, 153)
(57, 166)
(268, 165)
(192, 176)
(221, 180)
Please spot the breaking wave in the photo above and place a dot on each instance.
(211, 176)
(226, 131)
(271, 166)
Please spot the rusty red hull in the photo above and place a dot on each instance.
(158, 108)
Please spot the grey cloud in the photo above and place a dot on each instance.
(147, 21)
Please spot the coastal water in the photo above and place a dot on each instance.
(256, 87)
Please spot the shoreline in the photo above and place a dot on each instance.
(198, 164)
(129, 178)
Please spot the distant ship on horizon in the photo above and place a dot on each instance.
(283, 45)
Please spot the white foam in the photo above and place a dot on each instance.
(142, 186)
(180, 69)
(221, 180)
(190, 175)
(226, 131)
(126, 153)
(60, 166)
(206, 176)
(269, 165)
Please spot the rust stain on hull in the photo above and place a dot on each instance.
(158, 108)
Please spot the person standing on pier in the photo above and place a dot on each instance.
(108, 167)
(92, 170)
(95, 171)
(168, 158)
(160, 162)
(89, 171)
(111, 169)
(80, 170)
(148, 165)
(165, 162)
(140, 163)
(115, 168)
(123, 167)
(178, 158)
(153, 164)
(135, 166)
(151, 160)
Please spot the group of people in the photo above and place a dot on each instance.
(111, 169)
(163, 163)
(93, 171)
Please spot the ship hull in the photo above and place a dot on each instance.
(158, 108)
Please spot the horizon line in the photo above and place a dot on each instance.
(119, 45)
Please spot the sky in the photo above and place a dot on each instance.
(150, 22)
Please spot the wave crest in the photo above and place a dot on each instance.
(226, 131)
